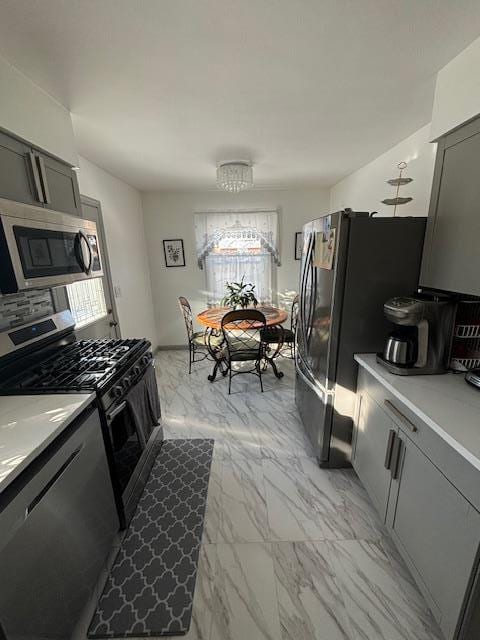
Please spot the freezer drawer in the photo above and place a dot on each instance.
(57, 522)
(316, 412)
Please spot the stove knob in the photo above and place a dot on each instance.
(136, 369)
(117, 391)
(126, 382)
(145, 359)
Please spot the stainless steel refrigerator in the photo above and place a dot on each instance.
(351, 264)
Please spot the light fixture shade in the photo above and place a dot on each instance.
(234, 176)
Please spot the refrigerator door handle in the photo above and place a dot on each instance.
(304, 321)
(313, 299)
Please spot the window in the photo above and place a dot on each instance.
(87, 301)
(234, 244)
(222, 268)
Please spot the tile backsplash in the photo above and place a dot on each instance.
(19, 308)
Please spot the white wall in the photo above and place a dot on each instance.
(29, 112)
(170, 215)
(124, 228)
(457, 91)
(457, 99)
(364, 189)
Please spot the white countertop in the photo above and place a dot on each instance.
(29, 423)
(445, 402)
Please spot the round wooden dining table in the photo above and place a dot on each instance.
(211, 319)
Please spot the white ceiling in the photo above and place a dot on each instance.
(309, 90)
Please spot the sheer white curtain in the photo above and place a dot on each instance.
(233, 244)
(220, 269)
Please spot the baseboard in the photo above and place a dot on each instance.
(171, 347)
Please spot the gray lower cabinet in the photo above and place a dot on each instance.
(434, 526)
(32, 176)
(374, 434)
(438, 532)
(57, 523)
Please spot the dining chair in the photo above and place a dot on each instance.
(199, 342)
(278, 335)
(241, 331)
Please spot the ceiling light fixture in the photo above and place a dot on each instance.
(234, 176)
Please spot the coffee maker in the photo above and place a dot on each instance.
(420, 343)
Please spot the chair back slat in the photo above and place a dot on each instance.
(242, 332)
(187, 315)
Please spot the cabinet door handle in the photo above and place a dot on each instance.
(36, 177)
(399, 415)
(43, 174)
(388, 454)
(396, 453)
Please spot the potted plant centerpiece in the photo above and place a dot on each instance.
(239, 294)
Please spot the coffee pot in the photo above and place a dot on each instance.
(421, 340)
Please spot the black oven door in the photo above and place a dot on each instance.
(135, 438)
(126, 444)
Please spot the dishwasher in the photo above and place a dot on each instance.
(57, 523)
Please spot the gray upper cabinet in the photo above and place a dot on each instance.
(59, 182)
(30, 175)
(451, 258)
(437, 530)
(17, 178)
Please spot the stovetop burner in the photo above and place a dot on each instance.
(78, 366)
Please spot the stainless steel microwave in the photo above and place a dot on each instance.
(41, 248)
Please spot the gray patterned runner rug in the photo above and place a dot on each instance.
(149, 591)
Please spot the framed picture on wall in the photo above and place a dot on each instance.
(174, 253)
(298, 245)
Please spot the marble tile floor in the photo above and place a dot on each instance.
(290, 551)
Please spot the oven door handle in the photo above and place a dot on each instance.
(113, 414)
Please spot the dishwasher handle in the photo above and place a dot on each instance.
(52, 481)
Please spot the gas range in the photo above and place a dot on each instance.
(44, 357)
(84, 365)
